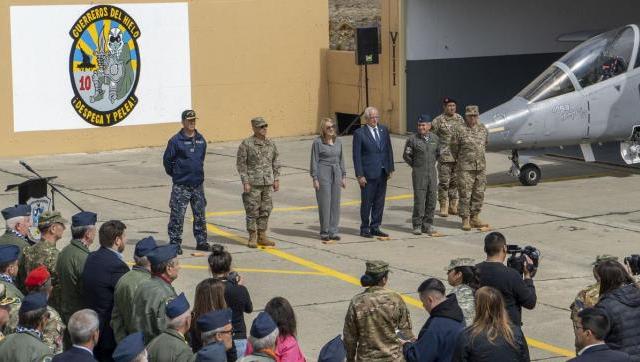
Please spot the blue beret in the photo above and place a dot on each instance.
(214, 352)
(424, 118)
(15, 211)
(33, 301)
(145, 246)
(84, 218)
(129, 348)
(333, 351)
(263, 325)
(9, 253)
(162, 253)
(214, 320)
(177, 306)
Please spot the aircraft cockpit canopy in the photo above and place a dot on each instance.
(597, 59)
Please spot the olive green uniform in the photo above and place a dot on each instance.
(69, 268)
(122, 318)
(170, 346)
(149, 304)
(421, 153)
(24, 347)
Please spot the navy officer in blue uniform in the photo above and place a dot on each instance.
(184, 161)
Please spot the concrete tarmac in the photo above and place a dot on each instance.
(579, 210)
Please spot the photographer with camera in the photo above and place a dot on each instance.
(236, 294)
(517, 292)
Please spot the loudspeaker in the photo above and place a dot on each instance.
(367, 47)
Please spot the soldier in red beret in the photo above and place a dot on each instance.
(39, 281)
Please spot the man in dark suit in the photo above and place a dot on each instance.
(373, 163)
(102, 270)
(84, 330)
(590, 329)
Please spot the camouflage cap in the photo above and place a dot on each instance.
(460, 262)
(472, 110)
(604, 257)
(51, 217)
(258, 122)
(377, 266)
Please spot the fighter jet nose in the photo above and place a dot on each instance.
(504, 121)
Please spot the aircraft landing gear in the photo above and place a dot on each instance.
(529, 174)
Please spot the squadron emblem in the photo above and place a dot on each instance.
(104, 65)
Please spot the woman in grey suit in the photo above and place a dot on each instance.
(329, 175)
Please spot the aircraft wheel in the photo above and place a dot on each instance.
(530, 174)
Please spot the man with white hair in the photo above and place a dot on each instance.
(18, 221)
(84, 330)
(217, 330)
(171, 345)
(263, 336)
(373, 164)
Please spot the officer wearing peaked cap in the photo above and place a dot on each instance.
(170, 345)
(152, 295)
(122, 317)
(216, 327)
(26, 343)
(71, 262)
(373, 317)
(131, 349)
(18, 221)
(9, 264)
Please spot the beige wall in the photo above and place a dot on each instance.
(248, 58)
(343, 75)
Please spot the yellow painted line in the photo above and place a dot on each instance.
(351, 280)
(253, 270)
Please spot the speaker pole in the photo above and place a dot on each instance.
(366, 85)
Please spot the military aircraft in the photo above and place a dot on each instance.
(590, 95)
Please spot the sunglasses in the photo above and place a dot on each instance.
(264, 126)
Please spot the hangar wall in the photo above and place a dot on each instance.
(484, 52)
(247, 58)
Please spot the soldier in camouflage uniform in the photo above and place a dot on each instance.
(469, 143)
(51, 226)
(39, 281)
(420, 153)
(373, 318)
(443, 127)
(259, 168)
(183, 160)
(8, 310)
(465, 293)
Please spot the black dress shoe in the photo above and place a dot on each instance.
(325, 238)
(203, 247)
(378, 232)
(366, 235)
(334, 237)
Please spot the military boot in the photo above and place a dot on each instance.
(466, 226)
(262, 239)
(453, 207)
(444, 208)
(253, 239)
(477, 223)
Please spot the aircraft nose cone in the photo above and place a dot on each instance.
(503, 122)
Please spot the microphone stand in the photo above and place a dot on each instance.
(53, 188)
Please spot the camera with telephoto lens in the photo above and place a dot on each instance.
(517, 260)
(633, 262)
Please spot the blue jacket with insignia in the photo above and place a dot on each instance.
(184, 159)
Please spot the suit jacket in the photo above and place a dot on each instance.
(101, 273)
(74, 354)
(368, 158)
(601, 353)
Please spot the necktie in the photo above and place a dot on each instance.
(377, 136)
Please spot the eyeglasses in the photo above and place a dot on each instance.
(577, 326)
(229, 331)
(330, 127)
(264, 126)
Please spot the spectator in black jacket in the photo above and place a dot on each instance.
(437, 338)
(620, 299)
(235, 294)
(492, 336)
(591, 327)
(517, 292)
